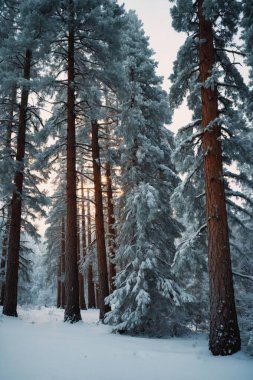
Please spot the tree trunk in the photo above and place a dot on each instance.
(99, 220)
(72, 310)
(80, 275)
(91, 290)
(224, 336)
(58, 303)
(82, 252)
(63, 249)
(111, 229)
(11, 286)
(3, 260)
(13, 100)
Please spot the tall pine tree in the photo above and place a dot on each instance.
(147, 298)
(215, 93)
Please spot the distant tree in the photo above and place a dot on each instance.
(90, 275)
(82, 246)
(111, 225)
(85, 33)
(54, 257)
(99, 221)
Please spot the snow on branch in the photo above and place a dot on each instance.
(248, 277)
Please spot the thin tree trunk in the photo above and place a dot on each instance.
(63, 249)
(224, 336)
(82, 253)
(111, 229)
(10, 302)
(59, 282)
(3, 261)
(91, 290)
(58, 303)
(9, 131)
(80, 275)
(72, 310)
(99, 220)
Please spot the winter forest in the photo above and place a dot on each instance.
(103, 206)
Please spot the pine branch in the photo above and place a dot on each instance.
(248, 277)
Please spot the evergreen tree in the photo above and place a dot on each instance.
(85, 40)
(147, 295)
(215, 91)
(20, 45)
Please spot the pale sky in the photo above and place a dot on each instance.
(164, 40)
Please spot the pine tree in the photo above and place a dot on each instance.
(147, 296)
(10, 302)
(224, 331)
(99, 220)
(21, 49)
(90, 28)
(215, 92)
(72, 310)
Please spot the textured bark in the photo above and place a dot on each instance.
(111, 229)
(99, 220)
(63, 249)
(11, 285)
(72, 310)
(224, 336)
(91, 290)
(9, 131)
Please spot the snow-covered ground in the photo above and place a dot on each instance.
(40, 346)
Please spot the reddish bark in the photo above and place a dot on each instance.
(224, 336)
(99, 221)
(72, 310)
(11, 285)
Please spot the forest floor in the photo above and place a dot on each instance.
(38, 345)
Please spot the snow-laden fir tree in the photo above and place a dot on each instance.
(84, 33)
(148, 297)
(227, 94)
(21, 57)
